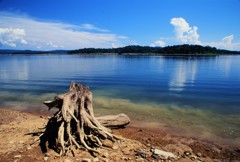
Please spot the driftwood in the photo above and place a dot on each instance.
(114, 121)
(74, 124)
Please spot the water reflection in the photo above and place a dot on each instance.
(15, 70)
(183, 75)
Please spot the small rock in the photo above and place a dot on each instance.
(17, 156)
(47, 154)
(41, 116)
(163, 158)
(96, 160)
(115, 147)
(187, 153)
(86, 160)
(124, 158)
(29, 148)
(108, 144)
(21, 142)
(45, 158)
(105, 155)
(154, 156)
(67, 160)
(141, 154)
(192, 158)
(11, 142)
(162, 153)
(238, 150)
(199, 154)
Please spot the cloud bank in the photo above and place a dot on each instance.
(24, 32)
(185, 33)
(226, 43)
(158, 43)
(12, 36)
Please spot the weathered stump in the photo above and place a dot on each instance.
(74, 124)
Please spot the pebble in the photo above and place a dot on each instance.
(29, 148)
(154, 156)
(21, 142)
(187, 153)
(96, 160)
(45, 158)
(17, 156)
(162, 153)
(124, 158)
(47, 154)
(67, 160)
(192, 158)
(199, 154)
(108, 144)
(105, 155)
(114, 147)
(86, 160)
(141, 154)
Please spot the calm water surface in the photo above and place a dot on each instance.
(197, 96)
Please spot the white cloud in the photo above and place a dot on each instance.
(92, 27)
(12, 37)
(158, 43)
(228, 39)
(189, 35)
(226, 43)
(43, 35)
(184, 32)
(52, 45)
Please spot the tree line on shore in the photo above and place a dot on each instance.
(176, 49)
(135, 49)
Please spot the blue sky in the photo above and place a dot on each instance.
(73, 24)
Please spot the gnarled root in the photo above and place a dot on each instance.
(74, 123)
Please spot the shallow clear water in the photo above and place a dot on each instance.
(198, 96)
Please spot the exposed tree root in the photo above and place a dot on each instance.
(74, 124)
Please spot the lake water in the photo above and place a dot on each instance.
(196, 96)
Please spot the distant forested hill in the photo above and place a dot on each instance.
(145, 50)
(30, 52)
(177, 49)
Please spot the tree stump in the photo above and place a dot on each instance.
(74, 124)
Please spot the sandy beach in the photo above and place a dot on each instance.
(16, 143)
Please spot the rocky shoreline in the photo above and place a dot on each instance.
(140, 144)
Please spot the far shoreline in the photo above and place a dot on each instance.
(175, 50)
(122, 54)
